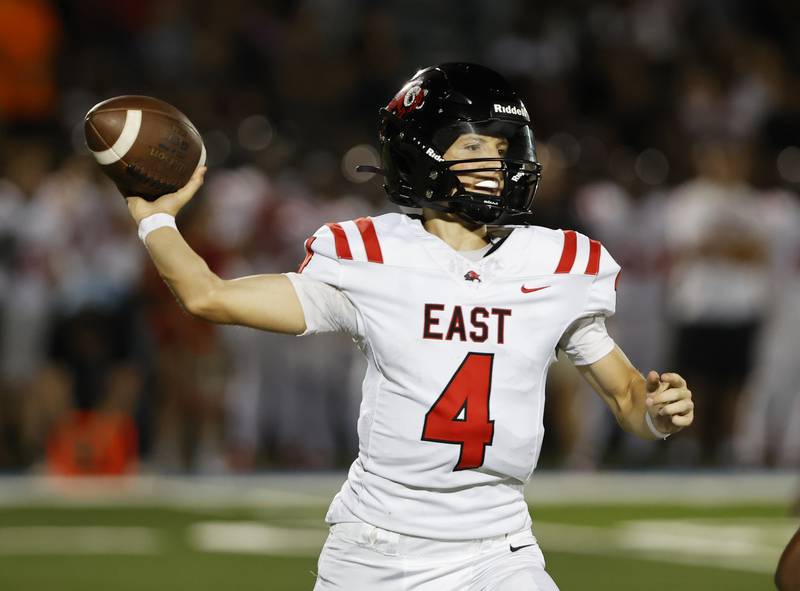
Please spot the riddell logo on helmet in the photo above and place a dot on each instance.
(511, 110)
(432, 153)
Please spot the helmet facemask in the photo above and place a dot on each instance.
(485, 187)
(431, 111)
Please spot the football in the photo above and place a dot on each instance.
(146, 146)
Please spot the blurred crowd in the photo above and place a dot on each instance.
(668, 129)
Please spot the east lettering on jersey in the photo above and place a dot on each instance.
(476, 324)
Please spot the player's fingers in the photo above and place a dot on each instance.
(673, 379)
(671, 395)
(653, 381)
(199, 174)
(186, 192)
(681, 407)
(653, 396)
(683, 420)
(173, 202)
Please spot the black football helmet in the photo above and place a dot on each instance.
(431, 111)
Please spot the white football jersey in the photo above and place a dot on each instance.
(450, 425)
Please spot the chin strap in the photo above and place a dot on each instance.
(514, 220)
(370, 168)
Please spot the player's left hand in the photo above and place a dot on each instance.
(669, 402)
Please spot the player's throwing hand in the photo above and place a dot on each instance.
(171, 203)
(669, 402)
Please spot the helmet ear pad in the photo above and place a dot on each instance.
(410, 167)
(402, 170)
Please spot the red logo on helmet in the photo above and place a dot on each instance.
(408, 99)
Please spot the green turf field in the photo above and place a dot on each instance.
(587, 547)
(620, 548)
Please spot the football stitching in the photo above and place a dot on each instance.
(154, 182)
(157, 183)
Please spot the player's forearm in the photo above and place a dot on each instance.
(182, 269)
(630, 408)
(623, 388)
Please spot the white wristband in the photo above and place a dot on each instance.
(154, 222)
(649, 420)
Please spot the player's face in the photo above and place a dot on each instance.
(474, 146)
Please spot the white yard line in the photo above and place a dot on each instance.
(248, 537)
(750, 546)
(68, 540)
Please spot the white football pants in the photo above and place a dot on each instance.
(361, 557)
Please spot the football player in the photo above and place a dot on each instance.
(459, 312)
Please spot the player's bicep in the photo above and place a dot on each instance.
(266, 302)
(611, 377)
(325, 307)
(586, 340)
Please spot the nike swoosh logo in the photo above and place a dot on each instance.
(532, 289)
(515, 548)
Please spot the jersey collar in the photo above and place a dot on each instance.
(452, 261)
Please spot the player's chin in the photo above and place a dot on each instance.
(488, 192)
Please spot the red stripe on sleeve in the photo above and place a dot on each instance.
(342, 246)
(309, 254)
(593, 266)
(370, 237)
(568, 254)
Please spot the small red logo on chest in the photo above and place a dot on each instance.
(472, 276)
(524, 289)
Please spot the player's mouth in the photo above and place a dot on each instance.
(488, 186)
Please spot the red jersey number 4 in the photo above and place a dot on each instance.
(461, 413)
